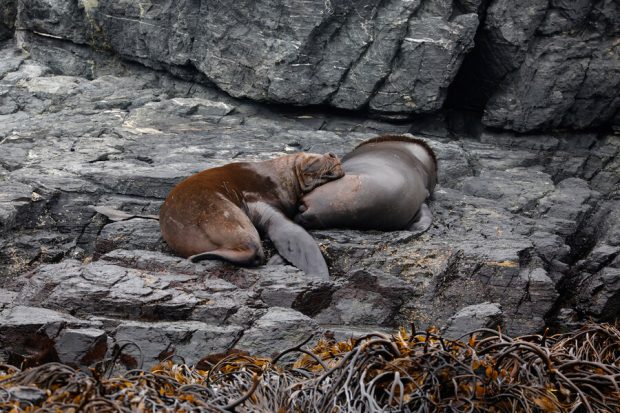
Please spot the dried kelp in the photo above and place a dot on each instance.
(410, 371)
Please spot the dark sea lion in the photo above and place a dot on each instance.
(217, 213)
(387, 180)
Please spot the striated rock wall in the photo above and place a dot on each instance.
(394, 57)
(545, 65)
(8, 10)
(534, 65)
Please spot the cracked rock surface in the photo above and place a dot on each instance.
(346, 54)
(533, 65)
(544, 65)
(525, 229)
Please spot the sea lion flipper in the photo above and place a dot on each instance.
(298, 247)
(423, 220)
(243, 257)
(293, 243)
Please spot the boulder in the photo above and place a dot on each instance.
(81, 346)
(473, 317)
(30, 336)
(283, 326)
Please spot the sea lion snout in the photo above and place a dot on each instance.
(334, 170)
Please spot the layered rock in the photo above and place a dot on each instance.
(545, 65)
(535, 65)
(523, 231)
(396, 57)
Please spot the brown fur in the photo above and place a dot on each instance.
(207, 214)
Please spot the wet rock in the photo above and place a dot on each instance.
(105, 289)
(136, 233)
(283, 326)
(366, 298)
(285, 286)
(539, 295)
(597, 274)
(28, 334)
(544, 65)
(7, 298)
(14, 198)
(473, 317)
(191, 340)
(81, 346)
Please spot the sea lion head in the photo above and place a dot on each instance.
(313, 170)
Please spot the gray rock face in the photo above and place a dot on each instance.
(82, 346)
(285, 326)
(535, 65)
(353, 55)
(544, 65)
(528, 223)
(32, 335)
(470, 318)
(597, 274)
(8, 11)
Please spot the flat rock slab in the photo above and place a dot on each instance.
(525, 224)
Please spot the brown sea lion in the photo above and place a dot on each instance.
(216, 213)
(387, 180)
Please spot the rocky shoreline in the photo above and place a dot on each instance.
(526, 229)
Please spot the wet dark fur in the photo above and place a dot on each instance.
(399, 138)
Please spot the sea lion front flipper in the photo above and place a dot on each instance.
(293, 243)
(422, 221)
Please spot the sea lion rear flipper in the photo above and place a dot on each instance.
(243, 257)
(292, 241)
(422, 221)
